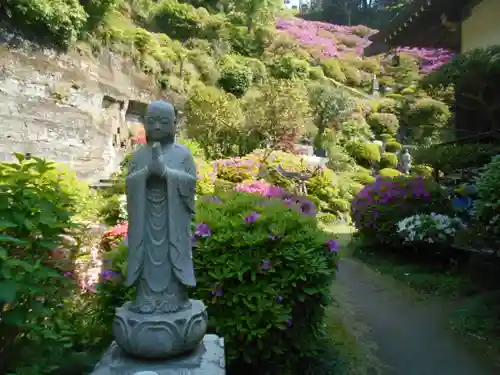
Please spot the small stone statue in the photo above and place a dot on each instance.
(162, 321)
(406, 159)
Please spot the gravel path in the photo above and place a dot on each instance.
(411, 335)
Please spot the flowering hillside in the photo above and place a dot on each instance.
(324, 40)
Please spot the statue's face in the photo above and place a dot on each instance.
(160, 121)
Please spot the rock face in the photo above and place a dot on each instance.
(68, 108)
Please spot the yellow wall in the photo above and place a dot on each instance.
(482, 28)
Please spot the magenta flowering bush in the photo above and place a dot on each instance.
(324, 40)
(250, 256)
(379, 206)
(260, 187)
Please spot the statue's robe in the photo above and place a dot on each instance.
(159, 238)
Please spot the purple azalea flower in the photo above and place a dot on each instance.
(217, 291)
(266, 265)
(332, 245)
(203, 230)
(288, 323)
(108, 275)
(252, 218)
(279, 299)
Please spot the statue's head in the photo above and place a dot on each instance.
(160, 124)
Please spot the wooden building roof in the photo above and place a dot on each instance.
(424, 24)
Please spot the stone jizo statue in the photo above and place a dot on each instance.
(160, 189)
(406, 159)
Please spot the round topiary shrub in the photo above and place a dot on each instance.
(340, 205)
(422, 170)
(389, 172)
(366, 154)
(393, 146)
(381, 205)
(388, 160)
(249, 255)
(383, 123)
(386, 137)
(364, 178)
(235, 79)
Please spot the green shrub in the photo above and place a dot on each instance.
(352, 74)
(388, 160)
(178, 20)
(340, 205)
(422, 170)
(235, 77)
(36, 263)
(383, 123)
(205, 65)
(363, 178)
(289, 67)
(214, 120)
(386, 137)
(332, 69)
(192, 145)
(251, 274)
(378, 208)
(206, 177)
(388, 105)
(326, 217)
(339, 160)
(427, 118)
(222, 186)
(487, 205)
(451, 157)
(316, 73)
(366, 154)
(356, 128)
(393, 147)
(59, 20)
(389, 172)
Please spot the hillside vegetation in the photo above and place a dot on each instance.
(248, 68)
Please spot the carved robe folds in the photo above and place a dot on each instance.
(159, 238)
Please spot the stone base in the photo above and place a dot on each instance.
(160, 336)
(207, 359)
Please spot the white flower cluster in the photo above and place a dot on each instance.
(429, 228)
(123, 207)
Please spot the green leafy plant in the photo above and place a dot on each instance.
(366, 154)
(289, 67)
(59, 20)
(487, 205)
(235, 77)
(35, 258)
(388, 160)
(451, 157)
(383, 123)
(393, 146)
(389, 172)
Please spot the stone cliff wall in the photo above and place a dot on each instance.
(68, 108)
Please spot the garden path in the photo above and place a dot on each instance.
(411, 335)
